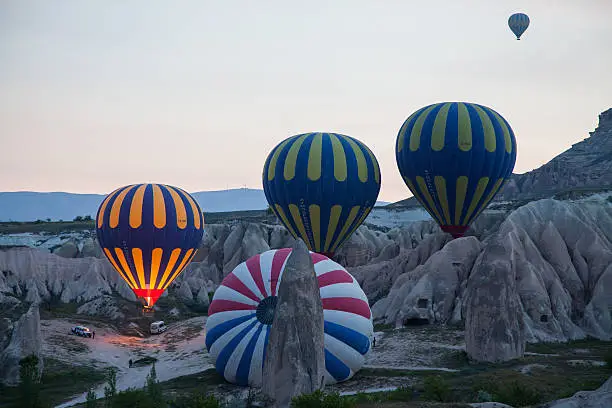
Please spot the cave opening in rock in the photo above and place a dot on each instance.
(422, 303)
(544, 318)
(415, 321)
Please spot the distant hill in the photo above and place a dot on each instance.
(586, 165)
(32, 206)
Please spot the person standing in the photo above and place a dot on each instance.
(93, 334)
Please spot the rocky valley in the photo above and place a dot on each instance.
(535, 269)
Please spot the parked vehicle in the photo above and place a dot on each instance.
(81, 331)
(158, 327)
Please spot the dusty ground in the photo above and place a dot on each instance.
(179, 351)
(401, 358)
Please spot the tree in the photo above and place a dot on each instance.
(29, 382)
(110, 390)
(154, 389)
(78, 218)
(91, 399)
(87, 218)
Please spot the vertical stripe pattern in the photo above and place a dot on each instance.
(454, 157)
(242, 310)
(320, 185)
(149, 233)
(518, 23)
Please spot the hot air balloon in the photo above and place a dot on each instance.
(149, 233)
(242, 311)
(518, 23)
(321, 186)
(454, 157)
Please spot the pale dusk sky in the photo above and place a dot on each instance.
(98, 94)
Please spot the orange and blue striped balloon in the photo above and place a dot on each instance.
(321, 186)
(149, 233)
(454, 157)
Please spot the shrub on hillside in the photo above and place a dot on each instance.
(319, 399)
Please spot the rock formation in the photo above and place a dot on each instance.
(25, 340)
(431, 291)
(586, 164)
(599, 398)
(494, 328)
(294, 361)
(561, 256)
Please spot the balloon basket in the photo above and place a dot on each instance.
(147, 311)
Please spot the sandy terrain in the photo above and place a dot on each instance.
(179, 351)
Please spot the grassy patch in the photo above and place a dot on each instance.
(597, 348)
(54, 227)
(383, 327)
(55, 308)
(59, 382)
(546, 384)
(193, 382)
(608, 359)
(390, 372)
(455, 359)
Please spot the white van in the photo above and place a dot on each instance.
(158, 327)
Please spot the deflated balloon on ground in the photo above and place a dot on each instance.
(242, 311)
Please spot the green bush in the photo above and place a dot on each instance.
(91, 401)
(318, 399)
(401, 394)
(436, 389)
(154, 389)
(132, 398)
(110, 390)
(517, 395)
(483, 396)
(198, 401)
(608, 358)
(29, 382)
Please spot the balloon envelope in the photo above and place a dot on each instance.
(518, 23)
(321, 186)
(149, 233)
(242, 311)
(454, 157)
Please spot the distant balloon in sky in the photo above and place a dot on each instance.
(454, 157)
(321, 186)
(518, 23)
(242, 311)
(149, 233)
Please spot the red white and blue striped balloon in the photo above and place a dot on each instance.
(241, 313)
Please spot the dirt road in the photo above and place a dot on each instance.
(179, 351)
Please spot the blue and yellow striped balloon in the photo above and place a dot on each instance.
(149, 233)
(321, 186)
(454, 157)
(518, 23)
